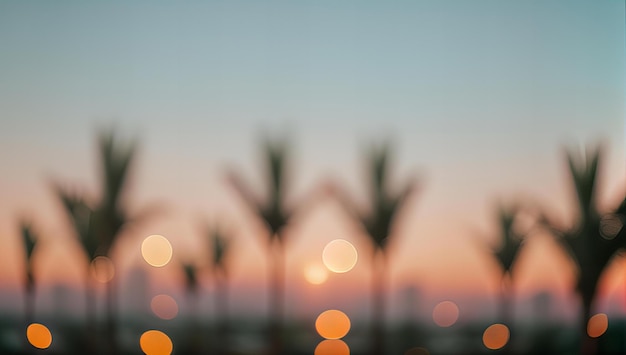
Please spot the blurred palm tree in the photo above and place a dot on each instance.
(378, 222)
(191, 278)
(220, 244)
(80, 215)
(506, 255)
(275, 215)
(594, 240)
(99, 225)
(29, 240)
(195, 338)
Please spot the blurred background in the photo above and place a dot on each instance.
(404, 163)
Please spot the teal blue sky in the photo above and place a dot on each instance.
(479, 97)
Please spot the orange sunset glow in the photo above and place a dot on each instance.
(330, 177)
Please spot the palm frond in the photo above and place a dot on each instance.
(110, 217)
(244, 192)
(272, 211)
(384, 205)
(116, 159)
(510, 240)
(28, 239)
(191, 277)
(220, 246)
(583, 172)
(80, 215)
(276, 155)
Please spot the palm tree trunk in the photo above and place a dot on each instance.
(29, 309)
(378, 303)
(194, 332)
(277, 296)
(90, 317)
(589, 345)
(221, 306)
(506, 309)
(111, 317)
(29, 302)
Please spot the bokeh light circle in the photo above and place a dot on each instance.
(39, 336)
(445, 313)
(597, 325)
(332, 347)
(154, 342)
(315, 274)
(332, 324)
(496, 336)
(102, 269)
(339, 256)
(156, 250)
(164, 307)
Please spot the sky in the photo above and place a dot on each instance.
(478, 98)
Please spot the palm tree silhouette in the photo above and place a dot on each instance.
(80, 215)
(220, 245)
(99, 225)
(595, 238)
(29, 240)
(506, 254)
(275, 215)
(194, 337)
(378, 223)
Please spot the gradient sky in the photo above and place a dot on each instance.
(479, 98)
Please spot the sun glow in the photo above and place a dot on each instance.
(315, 274)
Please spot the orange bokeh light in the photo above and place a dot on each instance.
(154, 342)
(164, 307)
(332, 324)
(597, 325)
(445, 313)
(102, 269)
(39, 336)
(332, 347)
(496, 336)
